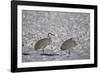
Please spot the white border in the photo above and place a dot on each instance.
(53, 63)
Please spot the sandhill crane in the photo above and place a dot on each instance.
(68, 44)
(42, 43)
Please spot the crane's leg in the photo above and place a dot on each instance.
(51, 47)
(61, 52)
(43, 50)
(68, 52)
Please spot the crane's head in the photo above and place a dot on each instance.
(51, 34)
(72, 39)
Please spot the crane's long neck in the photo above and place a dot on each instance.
(50, 40)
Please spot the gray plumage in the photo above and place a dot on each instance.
(68, 44)
(42, 43)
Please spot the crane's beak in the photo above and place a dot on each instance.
(54, 35)
(51, 34)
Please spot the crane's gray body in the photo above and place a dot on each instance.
(68, 44)
(41, 44)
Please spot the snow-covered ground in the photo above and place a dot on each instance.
(37, 24)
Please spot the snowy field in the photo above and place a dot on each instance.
(37, 24)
